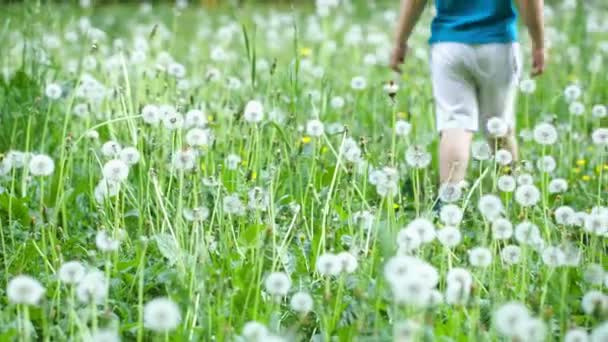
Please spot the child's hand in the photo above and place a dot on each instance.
(398, 56)
(538, 61)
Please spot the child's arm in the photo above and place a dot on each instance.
(532, 14)
(408, 17)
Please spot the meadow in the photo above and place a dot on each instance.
(184, 173)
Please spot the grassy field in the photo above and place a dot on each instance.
(243, 174)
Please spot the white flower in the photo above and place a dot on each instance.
(502, 229)
(449, 236)
(195, 118)
(24, 289)
(254, 112)
(506, 183)
(572, 92)
(527, 195)
(105, 242)
(41, 165)
(509, 317)
(151, 114)
(503, 157)
(196, 214)
(527, 86)
(423, 228)
(106, 188)
(525, 179)
(232, 205)
(564, 215)
(110, 149)
(328, 264)
(459, 282)
(129, 155)
(531, 329)
(600, 137)
(350, 150)
(232, 161)
(546, 164)
(490, 206)
(497, 127)
(348, 262)
(510, 254)
(600, 333)
(412, 291)
(576, 335)
(553, 256)
(277, 284)
(301, 302)
(545, 134)
(255, 331)
(53, 91)
(408, 241)
(337, 102)
(450, 192)
(594, 303)
(594, 274)
(184, 160)
(358, 83)
(115, 170)
(161, 315)
(71, 272)
(557, 186)
(93, 287)
(199, 137)
(402, 128)
(596, 223)
(451, 215)
(526, 232)
(104, 335)
(416, 156)
(599, 111)
(173, 121)
(480, 257)
(480, 150)
(576, 108)
(314, 128)
(176, 70)
(81, 110)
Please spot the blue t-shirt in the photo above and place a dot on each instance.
(474, 21)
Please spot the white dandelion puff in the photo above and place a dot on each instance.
(161, 315)
(277, 284)
(23, 289)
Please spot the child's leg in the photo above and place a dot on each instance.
(454, 150)
(498, 70)
(456, 107)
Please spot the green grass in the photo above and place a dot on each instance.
(214, 269)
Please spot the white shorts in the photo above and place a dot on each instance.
(473, 83)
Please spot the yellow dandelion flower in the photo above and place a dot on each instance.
(606, 167)
(581, 162)
(396, 206)
(305, 52)
(306, 139)
(324, 149)
(210, 118)
(586, 178)
(402, 115)
(254, 175)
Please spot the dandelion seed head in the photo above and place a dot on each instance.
(301, 302)
(23, 289)
(161, 315)
(71, 272)
(449, 237)
(41, 165)
(277, 284)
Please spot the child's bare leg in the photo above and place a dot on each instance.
(454, 151)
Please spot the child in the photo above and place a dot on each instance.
(475, 67)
